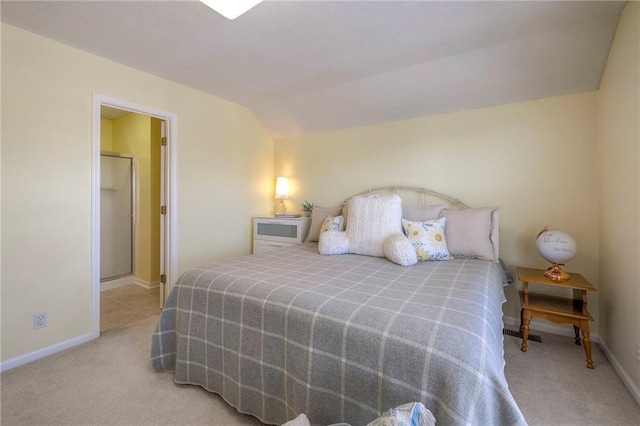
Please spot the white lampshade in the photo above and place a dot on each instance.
(231, 9)
(282, 187)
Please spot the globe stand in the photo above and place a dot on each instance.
(556, 247)
(556, 274)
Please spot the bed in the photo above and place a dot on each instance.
(341, 338)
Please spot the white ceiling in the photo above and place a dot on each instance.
(311, 66)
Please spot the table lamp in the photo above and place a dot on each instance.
(282, 192)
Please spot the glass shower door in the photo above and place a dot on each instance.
(116, 216)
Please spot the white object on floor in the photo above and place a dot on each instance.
(301, 420)
(410, 414)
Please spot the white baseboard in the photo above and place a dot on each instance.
(41, 353)
(129, 279)
(145, 284)
(568, 332)
(115, 283)
(635, 392)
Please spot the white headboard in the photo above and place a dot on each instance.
(414, 196)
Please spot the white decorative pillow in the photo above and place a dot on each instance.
(398, 249)
(317, 220)
(428, 238)
(332, 224)
(333, 242)
(371, 220)
(473, 232)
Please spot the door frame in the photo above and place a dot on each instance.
(169, 255)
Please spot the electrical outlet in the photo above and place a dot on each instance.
(39, 321)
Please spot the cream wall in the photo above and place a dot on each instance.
(537, 160)
(224, 176)
(619, 166)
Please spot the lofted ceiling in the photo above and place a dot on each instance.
(308, 66)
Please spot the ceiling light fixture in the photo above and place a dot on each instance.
(231, 9)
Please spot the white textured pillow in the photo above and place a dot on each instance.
(428, 238)
(473, 232)
(371, 220)
(398, 249)
(317, 220)
(332, 224)
(333, 242)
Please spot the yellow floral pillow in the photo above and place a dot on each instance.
(332, 223)
(427, 238)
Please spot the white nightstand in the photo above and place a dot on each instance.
(271, 232)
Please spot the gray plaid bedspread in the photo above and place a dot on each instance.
(341, 338)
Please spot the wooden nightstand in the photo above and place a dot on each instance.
(557, 309)
(271, 232)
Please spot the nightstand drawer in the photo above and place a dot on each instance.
(273, 229)
(262, 246)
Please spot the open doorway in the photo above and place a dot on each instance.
(130, 217)
(133, 223)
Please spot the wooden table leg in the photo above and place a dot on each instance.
(576, 330)
(584, 325)
(526, 320)
(521, 313)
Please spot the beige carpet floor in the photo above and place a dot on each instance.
(553, 386)
(109, 381)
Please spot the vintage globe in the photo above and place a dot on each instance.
(558, 248)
